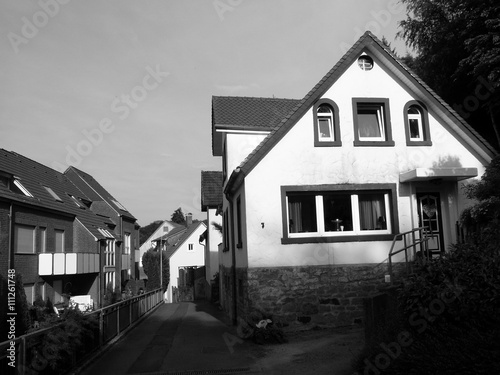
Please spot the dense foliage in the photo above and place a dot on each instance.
(178, 217)
(148, 230)
(458, 55)
(151, 264)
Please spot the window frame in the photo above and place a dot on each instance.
(426, 135)
(381, 105)
(356, 235)
(336, 142)
(32, 228)
(62, 238)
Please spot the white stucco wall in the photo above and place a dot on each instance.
(186, 258)
(295, 161)
(212, 246)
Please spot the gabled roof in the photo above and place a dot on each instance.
(172, 248)
(371, 43)
(211, 189)
(94, 189)
(246, 113)
(36, 178)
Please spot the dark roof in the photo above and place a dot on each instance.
(95, 190)
(35, 177)
(395, 65)
(172, 248)
(246, 113)
(211, 189)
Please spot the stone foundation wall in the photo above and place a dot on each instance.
(330, 295)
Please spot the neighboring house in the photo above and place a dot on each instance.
(315, 190)
(211, 203)
(164, 227)
(186, 255)
(49, 234)
(126, 262)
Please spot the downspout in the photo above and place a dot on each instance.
(233, 260)
(11, 237)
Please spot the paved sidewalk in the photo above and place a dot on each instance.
(179, 338)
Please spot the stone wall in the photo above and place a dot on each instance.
(330, 295)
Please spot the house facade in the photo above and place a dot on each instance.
(315, 190)
(211, 203)
(49, 233)
(123, 265)
(185, 251)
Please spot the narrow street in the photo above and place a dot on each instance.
(194, 338)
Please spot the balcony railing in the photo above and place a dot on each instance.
(67, 263)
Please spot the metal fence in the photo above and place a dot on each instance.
(30, 354)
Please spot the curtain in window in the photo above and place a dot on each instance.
(372, 212)
(295, 217)
(24, 239)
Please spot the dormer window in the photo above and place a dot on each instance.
(326, 124)
(14, 184)
(416, 124)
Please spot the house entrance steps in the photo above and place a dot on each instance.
(179, 338)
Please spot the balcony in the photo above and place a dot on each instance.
(67, 263)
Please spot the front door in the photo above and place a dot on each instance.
(429, 215)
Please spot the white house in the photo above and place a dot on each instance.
(186, 259)
(211, 203)
(164, 227)
(315, 190)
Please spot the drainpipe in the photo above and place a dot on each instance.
(11, 237)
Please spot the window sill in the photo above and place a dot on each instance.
(327, 143)
(348, 238)
(419, 143)
(358, 143)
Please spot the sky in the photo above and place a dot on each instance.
(122, 89)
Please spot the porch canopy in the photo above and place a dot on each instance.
(448, 174)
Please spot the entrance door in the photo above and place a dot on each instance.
(429, 215)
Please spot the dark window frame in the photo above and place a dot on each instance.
(382, 103)
(336, 124)
(425, 124)
(392, 210)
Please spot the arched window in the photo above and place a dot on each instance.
(326, 124)
(416, 124)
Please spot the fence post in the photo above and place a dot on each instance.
(101, 328)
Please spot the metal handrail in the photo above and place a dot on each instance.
(424, 234)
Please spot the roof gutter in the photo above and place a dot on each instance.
(234, 182)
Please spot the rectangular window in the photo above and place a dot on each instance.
(53, 194)
(58, 291)
(109, 253)
(43, 240)
(331, 211)
(372, 126)
(190, 247)
(127, 243)
(24, 239)
(59, 235)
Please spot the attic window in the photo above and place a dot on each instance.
(17, 187)
(105, 233)
(53, 194)
(77, 202)
(365, 62)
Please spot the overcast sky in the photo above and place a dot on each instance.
(122, 88)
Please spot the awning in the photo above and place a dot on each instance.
(446, 174)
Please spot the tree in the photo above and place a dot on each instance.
(458, 55)
(151, 264)
(178, 217)
(148, 230)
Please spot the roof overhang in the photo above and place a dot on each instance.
(447, 174)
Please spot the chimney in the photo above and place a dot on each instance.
(189, 219)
